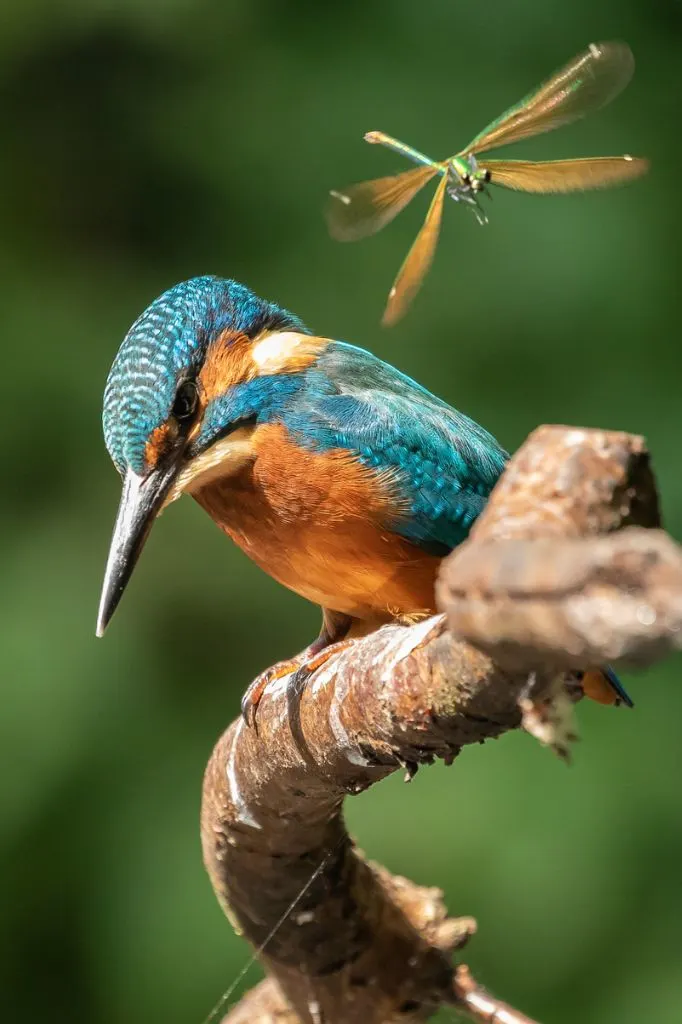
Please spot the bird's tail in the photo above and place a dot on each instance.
(604, 686)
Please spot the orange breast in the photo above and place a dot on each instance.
(313, 521)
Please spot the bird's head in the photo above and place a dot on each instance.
(196, 374)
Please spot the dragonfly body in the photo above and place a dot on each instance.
(588, 82)
(465, 179)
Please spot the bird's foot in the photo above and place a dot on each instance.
(257, 688)
(297, 684)
(298, 669)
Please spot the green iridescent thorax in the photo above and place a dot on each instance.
(469, 171)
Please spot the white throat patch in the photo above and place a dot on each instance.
(223, 458)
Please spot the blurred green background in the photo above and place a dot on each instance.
(146, 141)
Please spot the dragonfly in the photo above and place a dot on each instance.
(585, 84)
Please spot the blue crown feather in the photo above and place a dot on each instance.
(166, 344)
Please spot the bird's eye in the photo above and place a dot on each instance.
(185, 402)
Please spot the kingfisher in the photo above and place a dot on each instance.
(341, 477)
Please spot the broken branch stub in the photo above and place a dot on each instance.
(539, 583)
(571, 482)
(568, 604)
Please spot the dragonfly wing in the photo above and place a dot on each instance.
(588, 82)
(364, 209)
(417, 261)
(565, 175)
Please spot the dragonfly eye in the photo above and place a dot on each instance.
(486, 175)
(466, 178)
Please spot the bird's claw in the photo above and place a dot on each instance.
(254, 694)
(251, 700)
(297, 682)
(298, 669)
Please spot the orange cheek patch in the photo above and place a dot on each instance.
(156, 445)
(228, 362)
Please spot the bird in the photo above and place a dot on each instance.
(340, 476)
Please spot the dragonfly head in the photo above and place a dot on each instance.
(469, 176)
(479, 179)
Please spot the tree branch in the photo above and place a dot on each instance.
(537, 590)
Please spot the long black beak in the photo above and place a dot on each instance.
(141, 502)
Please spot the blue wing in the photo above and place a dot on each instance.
(445, 465)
